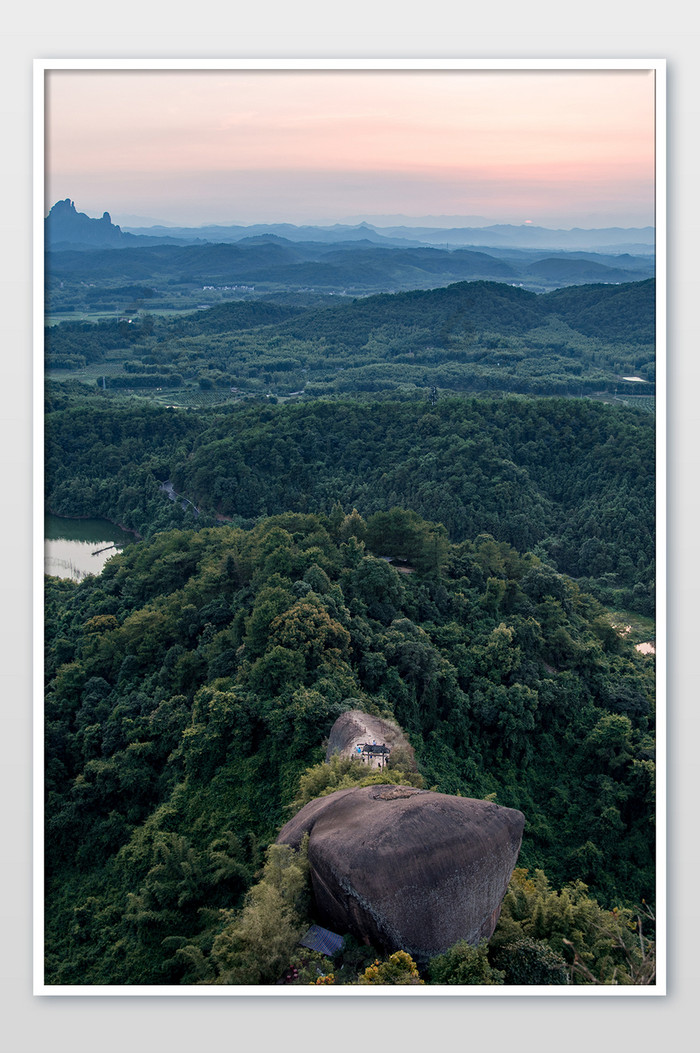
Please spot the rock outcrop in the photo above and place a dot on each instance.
(64, 225)
(403, 868)
(353, 728)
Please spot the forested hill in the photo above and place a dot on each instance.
(190, 690)
(618, 313)
(388, 547)
(97, 253)
(614, 312)
(470, 336)
(570, 478)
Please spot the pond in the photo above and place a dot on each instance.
(74, 548)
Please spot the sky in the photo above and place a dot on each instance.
(555, 148)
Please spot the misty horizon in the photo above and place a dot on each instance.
(367, 219)
(559, 149)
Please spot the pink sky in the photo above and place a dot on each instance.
(558, 148)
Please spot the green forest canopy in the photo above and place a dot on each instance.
(570, 478)
(471, 336)
(191, 685)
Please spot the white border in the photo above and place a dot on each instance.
(661, 527)
(38, 781)
(345, 63)
(41, 68)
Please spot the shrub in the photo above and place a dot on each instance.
(599, 946)
(341, 773)
(528, 961)
(464, 964)
(399, 968)
(255, 946)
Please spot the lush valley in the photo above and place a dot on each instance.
(468, 337)
(569, 478)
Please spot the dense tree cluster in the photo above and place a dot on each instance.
(193, 684)
(468, 337)
(343, 539)
(573, 479)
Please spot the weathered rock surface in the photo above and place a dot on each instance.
(408, 868)
(354, 728)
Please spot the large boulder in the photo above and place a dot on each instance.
(355, 728)
(409, 869)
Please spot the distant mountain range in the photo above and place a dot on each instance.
(603, 239)
(610, 239)
(343, 259)
(66, 226)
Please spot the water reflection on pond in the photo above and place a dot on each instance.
(74, 548)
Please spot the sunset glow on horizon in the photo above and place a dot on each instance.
(554, 148)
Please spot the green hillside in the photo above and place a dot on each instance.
(571, 478)
(437, 506)
(469, 337)
(191, 685)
